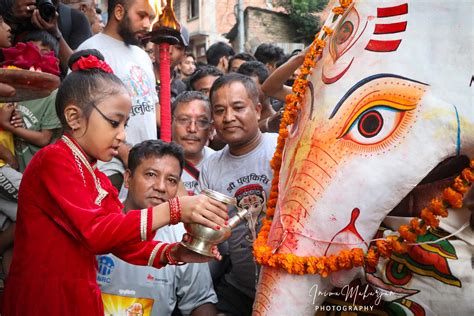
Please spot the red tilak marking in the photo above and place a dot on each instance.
(390, 28)
(392, 11)
(350, 228)
(383, 46)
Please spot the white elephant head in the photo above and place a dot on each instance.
(389, 100)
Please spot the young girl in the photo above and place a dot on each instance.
(69, 212)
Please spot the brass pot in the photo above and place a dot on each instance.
(202, 237)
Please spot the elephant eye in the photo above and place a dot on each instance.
(375, 123)
(345, 34)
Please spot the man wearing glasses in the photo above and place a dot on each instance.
(191, 129)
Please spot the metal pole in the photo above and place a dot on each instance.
(240, 9)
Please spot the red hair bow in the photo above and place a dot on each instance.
(91, 62)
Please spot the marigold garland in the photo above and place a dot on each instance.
(345, 259)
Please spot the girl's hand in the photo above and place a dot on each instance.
(203, 210)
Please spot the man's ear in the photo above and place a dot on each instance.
(126, 178)
(74, 117)
(258, 109)
(83, 8)
(271, 67)
(223, 62)
(119, 12)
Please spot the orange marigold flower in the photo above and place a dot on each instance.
(429, 218)
(468, 175)
(345, 3)
(399, 247)
(344, 259)
(272, 202)
(417, 227)
(438, 208)
(471, 164)
(322, 266)
(406, 233)
(299, 266)
(311, 263)
(320, 43)
(452, 197)
(338, 10)
(328, 30)
(372, 257)
(332, 263)
(460, 185)
(384, 247)
(357, 256)
(284, 133)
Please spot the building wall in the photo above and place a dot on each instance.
(217, 17)
(268, 27)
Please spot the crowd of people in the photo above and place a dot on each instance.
(92, 203)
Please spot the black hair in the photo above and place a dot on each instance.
(218, 50)
(204, 71)
(154, 148)
(246, 81)
(188, 96)
(241, 56)
(98, 10)
(283, 60)
(287, 57)
(45, 38)
(188, 53)
(268, 53)
(254, 68)
(86, 88)
(111, 4)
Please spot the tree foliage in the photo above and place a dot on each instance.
(302, 15)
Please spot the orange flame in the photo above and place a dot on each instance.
(165, 16)
(157, 6)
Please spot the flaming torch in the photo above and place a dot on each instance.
(165, 32)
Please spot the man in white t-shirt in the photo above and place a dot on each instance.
(241, 170)
(152, 178)
(191, 128)
(128, 22)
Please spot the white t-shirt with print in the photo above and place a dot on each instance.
(157, 291)
(247, 178)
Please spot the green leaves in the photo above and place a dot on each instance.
(303, 14)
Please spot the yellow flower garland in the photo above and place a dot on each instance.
(345, 259)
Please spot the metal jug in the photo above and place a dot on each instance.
(202, 237)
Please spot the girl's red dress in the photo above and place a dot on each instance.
(59, 232)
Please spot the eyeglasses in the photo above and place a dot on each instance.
(186, 121)
(114, 123)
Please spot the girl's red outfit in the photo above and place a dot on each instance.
(59, 231)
